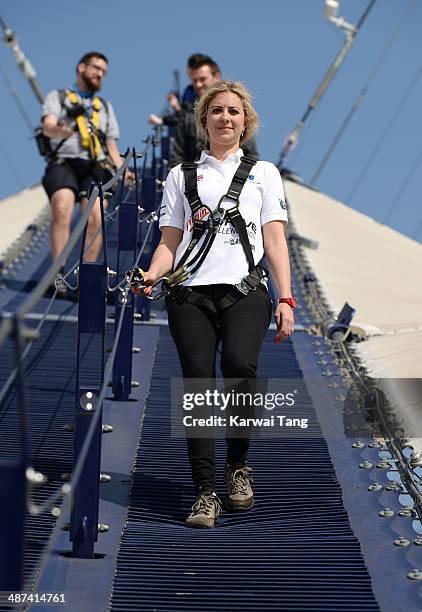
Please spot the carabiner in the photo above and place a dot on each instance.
(135, 278)
(227, 197)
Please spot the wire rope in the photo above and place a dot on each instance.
(362, 94)
(378, 145)
(402, 188)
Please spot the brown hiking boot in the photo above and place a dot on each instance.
(239, 491)
(205, 510)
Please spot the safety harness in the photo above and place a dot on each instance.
(88, 125)
(208, 229)
(92, 138)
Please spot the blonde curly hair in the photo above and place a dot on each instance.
(202, 105)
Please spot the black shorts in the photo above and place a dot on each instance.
(75, 174)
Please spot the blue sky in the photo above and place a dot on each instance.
(279, 48)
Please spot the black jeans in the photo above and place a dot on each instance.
(197, 332)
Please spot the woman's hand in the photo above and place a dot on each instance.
(149, 279)
(284, 320)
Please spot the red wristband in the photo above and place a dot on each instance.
(291, 301)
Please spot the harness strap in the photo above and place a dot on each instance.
(89, 137)
(181, 294)
(191, 186)
(199, 226)
(239, 225)
(240, 177)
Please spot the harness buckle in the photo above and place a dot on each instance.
(243, 287)
(225, 197)
(217, 217)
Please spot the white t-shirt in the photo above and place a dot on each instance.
(262, 200)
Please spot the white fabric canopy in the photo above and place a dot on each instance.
(18, 211)
(377, 270)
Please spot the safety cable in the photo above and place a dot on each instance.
(151, 219)
(13, 92)
(390, 124)
(35, 333)
(143, 154)
(402, 189)
(6, 325)
(406, 471)
(317, 307)
(361, 96)
(37, 330)
(418, 230)
(12, 166)
(351, 33)
(68, 487)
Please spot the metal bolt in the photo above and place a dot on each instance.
(416, 460)
(407, 511)
(136, 349)
(107, 428)
(68, 427)
(56, 511)
(105, 478)
(386, 513)
(376, 486)
(415, 574)
(103, 528)
(393, 486)
(134, 383)
(66, 476)
(358, 445)
(375, 445)
(407, 443)
(366, 465)
(401, 541)
(34, 477)
(418, 541)
(384, 465)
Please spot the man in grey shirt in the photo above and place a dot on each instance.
(83, 130)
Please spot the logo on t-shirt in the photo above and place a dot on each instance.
(202, 212)
(199, 177)
(283, 204)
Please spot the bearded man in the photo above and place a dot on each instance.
(82, 130)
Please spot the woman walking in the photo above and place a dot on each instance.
(240, 204)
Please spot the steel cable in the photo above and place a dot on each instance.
(361, 96)
(390, 124)
(68, 487)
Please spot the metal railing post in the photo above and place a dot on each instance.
(149, 203)
(14, 491)
(126, 254)
(91, 331)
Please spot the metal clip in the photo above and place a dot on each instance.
(135, 278)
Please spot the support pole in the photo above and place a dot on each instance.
(126, 254)
(91, 332)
